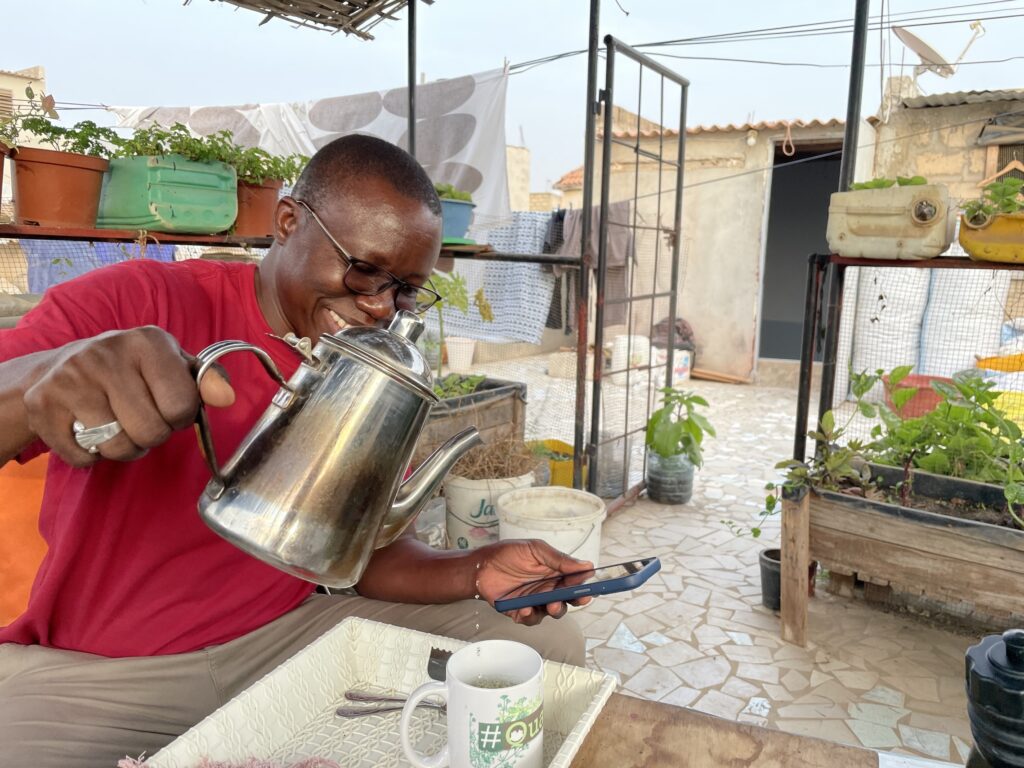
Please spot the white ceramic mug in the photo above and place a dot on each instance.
(495, 695)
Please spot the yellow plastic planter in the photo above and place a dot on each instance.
(561, 471)
(1002, 239)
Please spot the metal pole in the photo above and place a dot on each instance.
(586, 258)
(849, 157)
(602, 259)
(678, 236)
(412, 77)
(816, 266)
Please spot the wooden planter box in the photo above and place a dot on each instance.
(972, 570)
(497, 409)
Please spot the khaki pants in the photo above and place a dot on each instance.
(67, 709)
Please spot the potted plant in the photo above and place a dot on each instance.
(456, 213)
(260, 178)
(675, 436)
(168, 180)
(474, 484)
(928, 509)
(454, 293)
(992, 227)
(59, 186)
(901, 218)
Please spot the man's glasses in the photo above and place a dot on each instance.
(368, 279)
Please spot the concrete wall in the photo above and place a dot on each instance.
(545, 201)
(517, 162)
(937, 143)
(724, 216)
(15, 82)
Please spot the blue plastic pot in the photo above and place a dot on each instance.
(456, 216)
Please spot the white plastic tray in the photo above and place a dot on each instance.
(288, 715)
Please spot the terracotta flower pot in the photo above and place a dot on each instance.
(256, 204)
(56, 189)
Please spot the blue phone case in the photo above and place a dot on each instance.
(620, 584)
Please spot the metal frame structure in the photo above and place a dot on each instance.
(616, 48)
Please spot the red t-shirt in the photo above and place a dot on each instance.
(131, 569)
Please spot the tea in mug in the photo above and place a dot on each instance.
(493, 682)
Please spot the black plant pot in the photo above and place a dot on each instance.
(995, 700)
(669, 478)
(771, 578)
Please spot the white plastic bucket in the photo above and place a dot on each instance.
(470, 519)
(567, 519)
(460, 353)
(629, 352)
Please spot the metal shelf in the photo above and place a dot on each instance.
(30, 232)
(939, 262)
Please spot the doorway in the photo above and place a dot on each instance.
(797, 218)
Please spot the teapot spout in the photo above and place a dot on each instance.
(424, 481)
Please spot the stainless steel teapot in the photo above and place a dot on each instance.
(316, 485)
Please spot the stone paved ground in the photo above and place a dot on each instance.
(696, 635)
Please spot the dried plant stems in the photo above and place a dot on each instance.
(498, 459)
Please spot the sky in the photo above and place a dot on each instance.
(207, 52)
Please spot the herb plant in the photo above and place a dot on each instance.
(884, 183)
(37, 120)
(257, 166)
(677, 428)
(456, 385)
(454, 293)
(449, 192)
(998, 197)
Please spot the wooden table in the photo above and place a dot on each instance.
(635, 732)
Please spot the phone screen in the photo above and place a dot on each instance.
(591, 576)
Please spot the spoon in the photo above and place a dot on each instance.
(386, 703)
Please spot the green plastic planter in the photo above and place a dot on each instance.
(168, 193)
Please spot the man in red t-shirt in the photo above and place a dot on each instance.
(142, 620)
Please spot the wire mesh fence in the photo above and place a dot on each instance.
(939, 321)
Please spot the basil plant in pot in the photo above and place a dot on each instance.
(675, 437)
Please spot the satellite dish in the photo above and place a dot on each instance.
(931, 60)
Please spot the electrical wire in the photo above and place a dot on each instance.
(833, 153)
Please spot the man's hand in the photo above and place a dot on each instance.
(140, 378)
(508, 564)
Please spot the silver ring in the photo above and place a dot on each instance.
(90, 438)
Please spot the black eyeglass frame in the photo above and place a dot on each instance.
(352, 261)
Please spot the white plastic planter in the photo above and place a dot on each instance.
(470, 518)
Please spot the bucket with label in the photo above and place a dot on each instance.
(567, 519)
(629, 351)
(470, 517)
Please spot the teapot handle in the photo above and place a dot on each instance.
(206, 359)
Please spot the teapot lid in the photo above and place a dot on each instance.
(392, 349)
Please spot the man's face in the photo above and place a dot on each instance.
(374, 223)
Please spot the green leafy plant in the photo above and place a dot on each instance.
(257, 166)
(677, 428)
(1002, 196)
(38, 120)
(454, 293)
(884, 183)
(449, 192)
(178, 140)
(965, 436)
(456, 385)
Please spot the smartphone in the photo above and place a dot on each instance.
(570, 586)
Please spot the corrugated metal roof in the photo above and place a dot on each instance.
(764, 125)
(767, 125)
(958, 98)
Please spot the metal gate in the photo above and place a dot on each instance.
(637, 273)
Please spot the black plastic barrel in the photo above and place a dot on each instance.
(771, 578)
